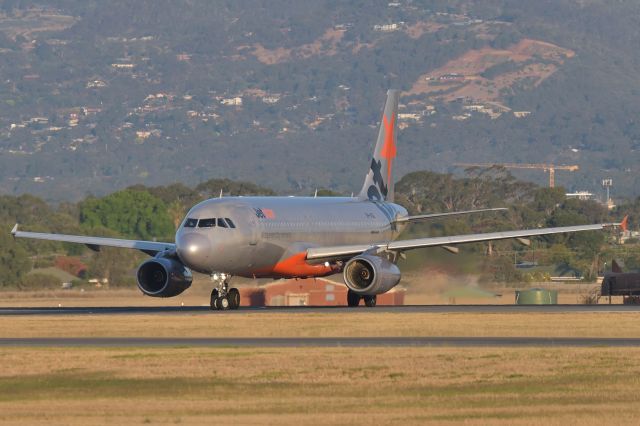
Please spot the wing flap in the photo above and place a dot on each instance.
(338, 252)
(149, 247)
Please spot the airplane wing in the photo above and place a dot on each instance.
(422, 217)
(346, 252)
(94, 243)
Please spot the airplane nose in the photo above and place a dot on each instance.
(194, 250)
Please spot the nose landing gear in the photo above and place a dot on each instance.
(222, 297)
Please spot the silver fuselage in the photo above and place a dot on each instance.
(271, 234)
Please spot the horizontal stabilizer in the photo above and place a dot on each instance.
(422, 217)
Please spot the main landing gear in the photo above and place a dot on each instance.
(353, 299)
(222, 297)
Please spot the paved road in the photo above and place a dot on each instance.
(321, 342)
(328, 310)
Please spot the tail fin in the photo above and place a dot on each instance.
(378, 184)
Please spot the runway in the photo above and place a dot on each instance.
(337, 342)
(413, 309)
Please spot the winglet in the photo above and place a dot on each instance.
(14, 230)
(624, 223)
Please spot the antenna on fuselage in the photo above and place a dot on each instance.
(316, 194)
(220, 193)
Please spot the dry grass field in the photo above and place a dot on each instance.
(363, 323)
(307, 385)
(319, 386)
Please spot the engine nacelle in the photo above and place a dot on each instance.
(163, 276)
(369, 275)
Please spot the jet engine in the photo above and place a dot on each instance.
(163, 276)
(369, 275)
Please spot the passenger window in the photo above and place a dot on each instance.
(190, 223)
(222, 223)
(230, 222)
(207, 223)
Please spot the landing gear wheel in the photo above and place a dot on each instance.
(353, 299)
(370, 301)
(234, 298)
(223, 303)
(223, 298)
(214, 298)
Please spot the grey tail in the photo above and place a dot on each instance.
(378, 184)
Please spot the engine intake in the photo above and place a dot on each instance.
(369, 275)
(163, 277)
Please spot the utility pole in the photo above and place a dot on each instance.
(607, 184)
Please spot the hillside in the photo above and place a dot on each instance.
(96, 96)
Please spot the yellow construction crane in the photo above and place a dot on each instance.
(551, 168)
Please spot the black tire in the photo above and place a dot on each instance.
(234, 298)
(370, 301)
(223, 303)
(353, 299)
(214, 299)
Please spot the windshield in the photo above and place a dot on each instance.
(207, 223)
(190, 223)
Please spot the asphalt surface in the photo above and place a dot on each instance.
(143, 310)
(349, 342)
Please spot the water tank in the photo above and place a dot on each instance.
(536, 296)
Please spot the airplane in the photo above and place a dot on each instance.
(298, 237)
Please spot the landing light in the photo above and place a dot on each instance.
(215, 276)
(326, 264)
(193, 248)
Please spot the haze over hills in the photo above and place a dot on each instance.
(96, 96)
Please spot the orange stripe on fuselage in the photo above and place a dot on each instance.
(297, 266)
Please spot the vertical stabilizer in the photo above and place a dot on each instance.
(378, 184)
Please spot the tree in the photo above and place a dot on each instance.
(212, 188)
(322, 192)
(131, 213)
(14, 262)
(176, 211)
(115, 265)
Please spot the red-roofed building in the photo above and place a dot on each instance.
(308, 292)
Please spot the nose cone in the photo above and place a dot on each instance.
(194, 250)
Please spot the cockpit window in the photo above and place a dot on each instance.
(230, 222)
(207, 223)
(190, 223)
(222, 223)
